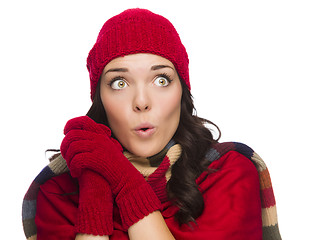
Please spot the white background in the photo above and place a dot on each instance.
(264, 71)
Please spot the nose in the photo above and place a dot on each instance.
(142, 102)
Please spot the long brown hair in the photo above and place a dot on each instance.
(195, 140)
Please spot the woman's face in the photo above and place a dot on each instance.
(141, 94)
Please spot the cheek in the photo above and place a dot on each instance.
(112, 111)
(115, 111)
(170, 111)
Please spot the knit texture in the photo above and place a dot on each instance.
(269, 212)
(156, 173)
(137, 31)
(88, 145)
(269, 215)
(95, 204)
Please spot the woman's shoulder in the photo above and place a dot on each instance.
(231, 153)
(218, 150)
(237, 170)
(60, 184)
(231, 192)
(233, 160)
(230, 159)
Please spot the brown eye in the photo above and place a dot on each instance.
(161, 81)
(118, 84)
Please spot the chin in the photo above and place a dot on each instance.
(145, 150)
(145, 154)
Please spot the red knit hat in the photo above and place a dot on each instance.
(137, 31)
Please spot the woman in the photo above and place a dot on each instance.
(140, 165)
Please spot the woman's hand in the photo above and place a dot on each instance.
(95, 205)
(88, 145)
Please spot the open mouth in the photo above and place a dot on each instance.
(145, 130)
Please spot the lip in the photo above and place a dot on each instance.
(145, 130)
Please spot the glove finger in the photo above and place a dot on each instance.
(75, 135)
(79, 123)
(77, 166)
(86, 123)
(81, 135)
(75, 148)
(83, 161)
(72, 136)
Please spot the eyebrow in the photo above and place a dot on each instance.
(117, 70)
(153, 68)
(157, 67)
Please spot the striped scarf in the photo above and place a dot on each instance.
(161, 164)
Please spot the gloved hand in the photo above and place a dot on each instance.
(88, 145)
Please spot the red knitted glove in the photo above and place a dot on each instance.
(95, 210)
(88, 145)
